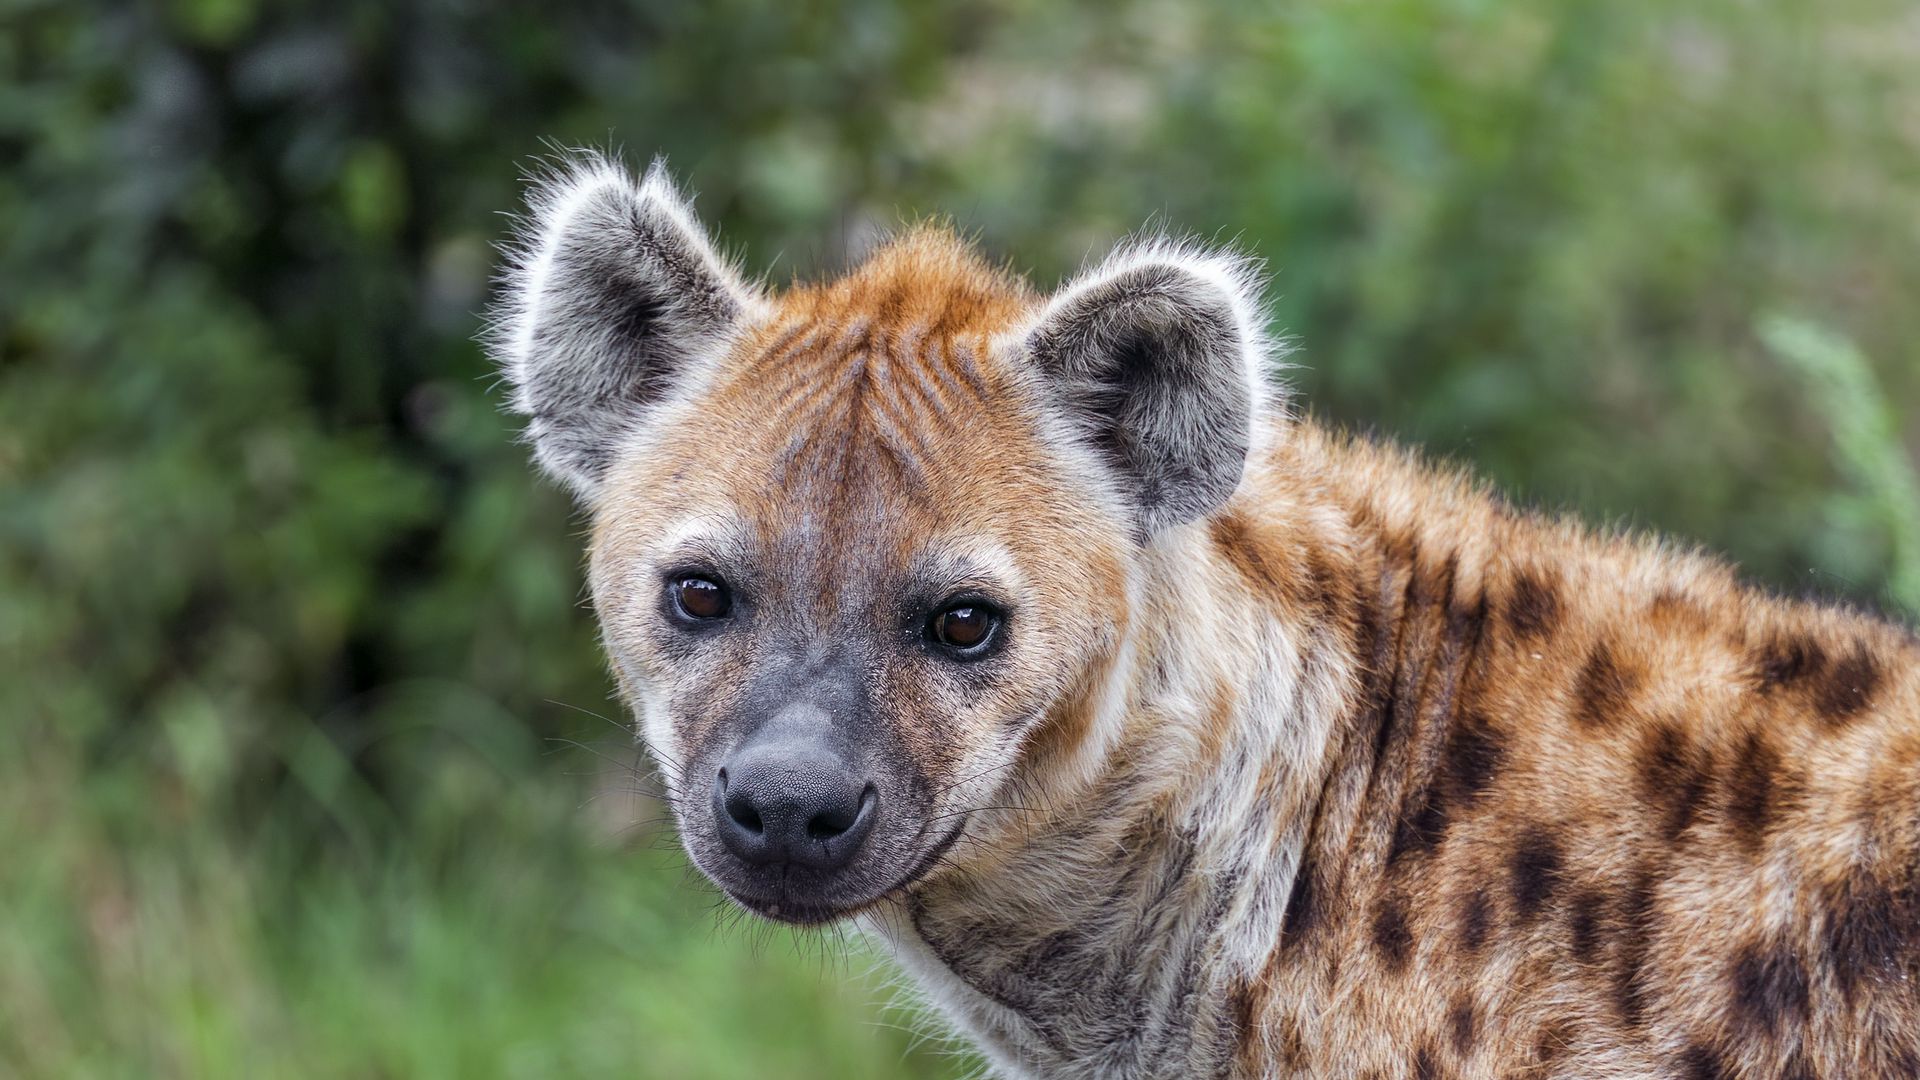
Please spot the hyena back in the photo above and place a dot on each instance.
(1162, 733)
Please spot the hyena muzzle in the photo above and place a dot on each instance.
(1161, 733)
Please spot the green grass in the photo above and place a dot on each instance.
(143, 936)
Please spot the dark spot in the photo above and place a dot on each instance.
(1589, 908)
(1050, 954)
(1301, 911)
(1242, 1010)
(1533, 607)
(1671, 607)
(1848, 686)
(1463, 1023)
(1424, 1066)
(1639, 925)
(1234, 535)
(1872, 928)
(1535, 866)
(1753, 790)
(1476, 919)
(1422, 829)
(1469, 761)
(1769, 987)
(1322, 588)
(1391, 935)
(1473, 756)
(1366, 627)
(1787, 660)
(1672, 778)
(1703, 1062)
(1604, 690)
(1465, 622)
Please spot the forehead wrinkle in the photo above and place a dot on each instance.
(909, 412)
(867, 415)
(819, 417)
(788, 377)
(889, 337)
(950, 380)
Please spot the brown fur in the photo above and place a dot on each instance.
(1654, 845)
(1587, 805)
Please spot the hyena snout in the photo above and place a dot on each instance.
(792, 796)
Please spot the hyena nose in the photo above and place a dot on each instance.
(803, 806)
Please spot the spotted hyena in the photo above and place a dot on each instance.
(1160, 731)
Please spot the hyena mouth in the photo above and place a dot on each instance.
(788, 911)
(806, 895)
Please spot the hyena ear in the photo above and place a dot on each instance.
(612, 295)
(1159, 357)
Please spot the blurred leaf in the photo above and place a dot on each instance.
(374, 189)
(1865, 437)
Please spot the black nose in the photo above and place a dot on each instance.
(782, 803)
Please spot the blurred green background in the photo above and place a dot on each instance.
(310, 765)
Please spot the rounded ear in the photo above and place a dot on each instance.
(611, 295)
(1159, 358)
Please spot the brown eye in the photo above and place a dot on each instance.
(701, 598)
(964, 627)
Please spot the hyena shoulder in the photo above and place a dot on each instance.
(1610, 806)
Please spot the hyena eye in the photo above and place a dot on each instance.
(966, 628)
(700, 598)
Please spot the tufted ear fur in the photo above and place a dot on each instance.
(1159, 358)
(612, 295)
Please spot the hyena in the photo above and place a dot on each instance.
(1160, 731)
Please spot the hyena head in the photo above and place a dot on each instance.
(858, 547)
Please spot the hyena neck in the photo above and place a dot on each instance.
(1104, 927)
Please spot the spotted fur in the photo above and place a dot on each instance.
(1302, 757)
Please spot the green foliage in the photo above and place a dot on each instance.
(287, 623)
(1867, 441)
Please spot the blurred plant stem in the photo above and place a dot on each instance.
(1866, 440)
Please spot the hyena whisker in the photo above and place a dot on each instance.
(644, 824)
(661, 757)
(848, 946)
(651, 793)
(621, 726)
(829, 947)
(963, 781)
(657, 761)
(725, 914)
(979, 809)
(692, 878)
(759, 935)
(609, 793)
(629, 767)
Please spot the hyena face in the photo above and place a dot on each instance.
(855, 546)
